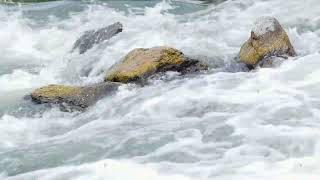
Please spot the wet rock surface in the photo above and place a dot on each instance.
(71, 96)
(268, 46)
(90, 38)
(267, 39)
(142, 63)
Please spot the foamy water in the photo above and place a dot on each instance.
(216, 125)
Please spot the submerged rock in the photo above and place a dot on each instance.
(272, 61)
(74, 97)
(267, 39)
(142, 63)
(90, 38)
(235, 67)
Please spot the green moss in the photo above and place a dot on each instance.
(125, 76)
(56, 91)
(170, 56)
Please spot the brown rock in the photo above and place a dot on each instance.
(141, 63)
(268, 38)
(75, 97)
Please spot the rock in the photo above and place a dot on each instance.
(74, 97)
(267, 39)
(142, 63)
(272, 61)
(90, 38)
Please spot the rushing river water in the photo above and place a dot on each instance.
(260, 125)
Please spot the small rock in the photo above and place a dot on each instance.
(142, 63)
(90, 38)
(74, 97)
(236, 67)
(272, 61)
(267, 39)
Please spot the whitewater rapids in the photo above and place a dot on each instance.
(259, 125)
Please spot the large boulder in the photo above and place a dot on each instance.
(267, 39)
(92, 37)
(73, 97)
(142, 63)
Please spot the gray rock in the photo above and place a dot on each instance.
(92, 37)
(272, 61)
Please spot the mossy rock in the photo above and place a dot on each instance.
(54, 90)
(267, 39)
(142, 63)
(73, 97)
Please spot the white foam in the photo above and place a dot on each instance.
(257, 125)
(17, 132)
(105, 169)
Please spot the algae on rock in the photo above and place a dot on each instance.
(267, 39)
(141, 63)
(75, 97)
